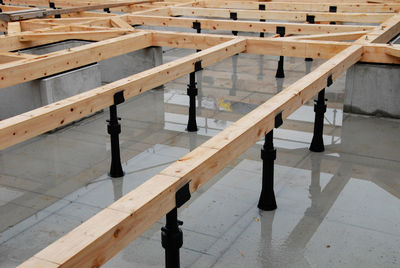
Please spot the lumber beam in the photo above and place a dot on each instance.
(296, 6)
(349, 36)
(8, 8)
(120, 23)
(245, 26)
(386, 31)
(340, 1)
(280, 15)
(12, 43)
(19, 15)
(6, 57)
(91, 244)
(82, 35)
(274, 46)
(38, 121)
(393, 51)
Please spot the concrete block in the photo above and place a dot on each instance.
(131, 63)
(373, 89)
(70, 83)
(19, 99)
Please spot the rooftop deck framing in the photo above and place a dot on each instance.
(366, 39)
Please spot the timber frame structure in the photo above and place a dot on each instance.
(343, 32)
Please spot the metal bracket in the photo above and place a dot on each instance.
(310, 19)
(53, 6)
(233, 16)
(182, 195)
(119, 97)
(197, 66)
(107, 10)
(278, 120)
(196, 25)
(330, 80)
(280, 30)
(333, 9)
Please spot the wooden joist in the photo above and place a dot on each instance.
(279, 15)
(6, 57)
(82, 35)
(91, 244)
(393, 51)
(349, 36)
(245, 26)
(275, 46)
(19, 15)
(297, 6)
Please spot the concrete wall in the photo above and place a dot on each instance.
(24, 97)
(373, 89)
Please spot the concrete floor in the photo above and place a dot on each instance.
(340, 208)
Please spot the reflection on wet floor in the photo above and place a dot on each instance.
(339, 208)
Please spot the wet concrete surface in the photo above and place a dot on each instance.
(339, 208)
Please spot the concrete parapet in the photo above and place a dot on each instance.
(373, 89)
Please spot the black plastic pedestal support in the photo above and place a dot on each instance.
(53, 6)
(114, 129)
(267, 200)
(262, 8)
(192, 92)
(172, 239)
(233, 16)
(171, 234)
(317, 143)
(280, 73)
(197, 26)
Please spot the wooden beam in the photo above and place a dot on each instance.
(36, 122)
(91, 244)
(280, 15)
(120, 23)
(296, 6)
(386, 31)
(82, 35)
(6, 57)
(393, 51)
(340, 1)
(19, 15)
(245, 26)
(275, 46)
(12, 43)
(349, 36)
